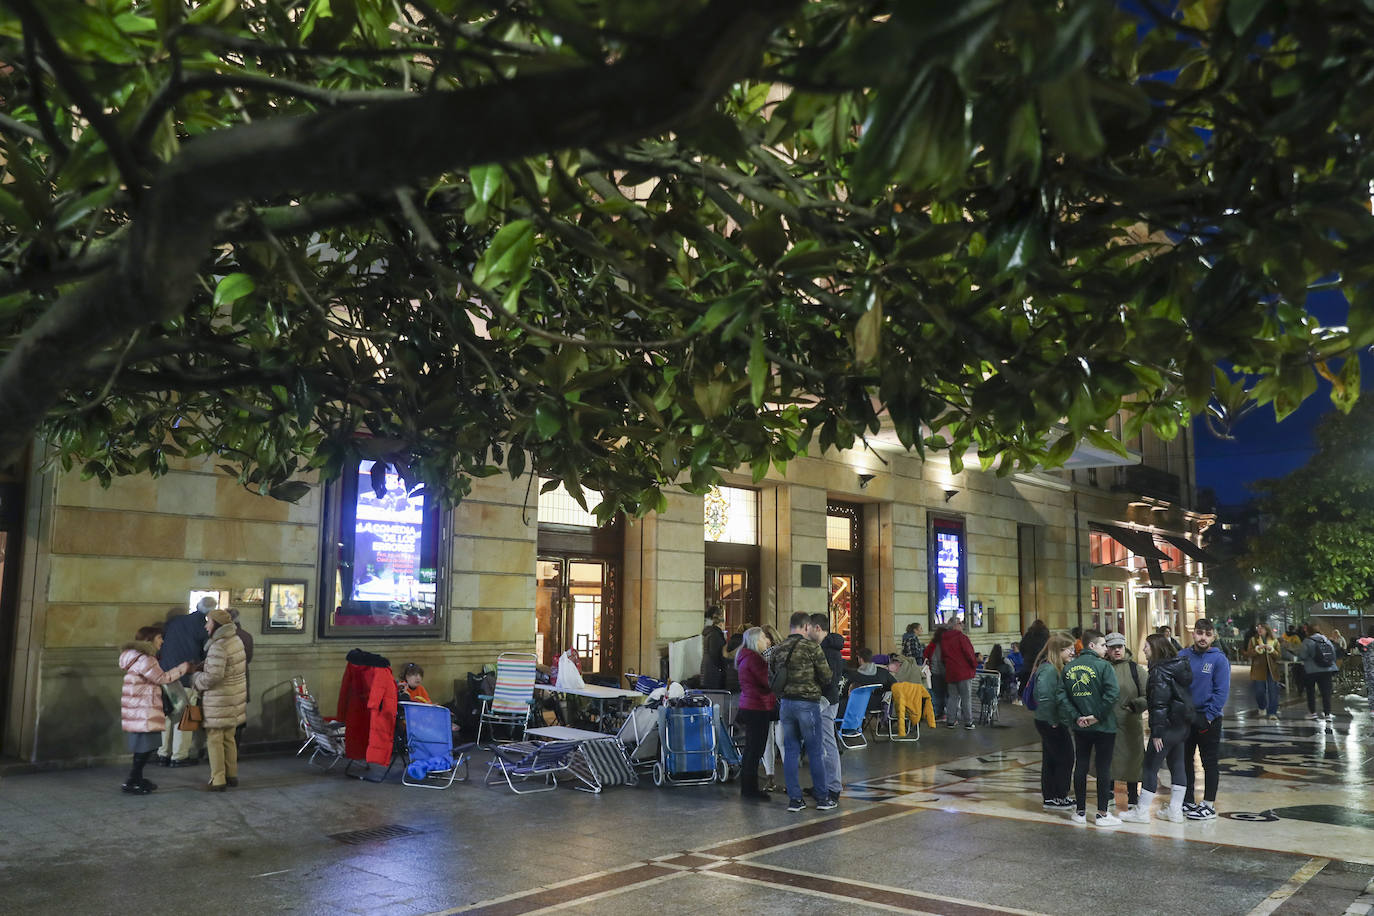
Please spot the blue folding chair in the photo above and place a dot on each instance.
(431, 760)
(851, 727)
(522, 760)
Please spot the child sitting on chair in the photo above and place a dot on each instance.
(409, 688)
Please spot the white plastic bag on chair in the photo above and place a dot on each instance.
(568, 675)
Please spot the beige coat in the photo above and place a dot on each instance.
(223, 684)
(1128, 755)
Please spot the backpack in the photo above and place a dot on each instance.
(1028, 695)
(777, 677)
(1323, 652)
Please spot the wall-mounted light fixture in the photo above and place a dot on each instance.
(950, 494)
(865, 479)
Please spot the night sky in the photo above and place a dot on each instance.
(1264, 448)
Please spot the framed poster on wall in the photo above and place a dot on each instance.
(284, 606)
(948, 570)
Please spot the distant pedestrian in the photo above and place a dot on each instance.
(1319, 666)
(831, 645)
(772, 749)
(1265, 652)
(1365, 646)
(935, 658)
(1128, 752)
(1032, 643)
(757, 706)
(1090, 684)
(224, 697)
(1211, 686)
(1053, 715)
(911, 641)
(808, 682)
(1168, 691)
(1168, 633)
(961, 666)
(140, 704)
(713, 650)
(183, 641)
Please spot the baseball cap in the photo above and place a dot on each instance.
(1203, 624)
(1115, 639)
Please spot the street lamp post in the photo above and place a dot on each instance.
(1284, 595)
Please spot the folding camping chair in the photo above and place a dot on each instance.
(523, 760)
(512, 699)
(907, 701)
(325, 735)
(851, 727)
(431, 760)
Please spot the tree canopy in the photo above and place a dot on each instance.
(1317, 540)
(624, 244)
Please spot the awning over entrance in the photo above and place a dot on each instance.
(1188, 547)
(1140, 543)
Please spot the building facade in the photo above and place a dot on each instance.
(877, 538)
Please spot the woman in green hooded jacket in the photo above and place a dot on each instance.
(1052, 718)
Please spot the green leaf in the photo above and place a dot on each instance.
(509, 256)
(547, 421)
(868, 332)
(233, 288)
(291, 491)
(486, 181)
(1067, 108)
(1240, 14)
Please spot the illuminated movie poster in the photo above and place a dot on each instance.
(389, 547)
(949, 565)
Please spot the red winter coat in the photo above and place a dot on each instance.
(140, 705)
(367, 705)
(957, 652)
(753, 681)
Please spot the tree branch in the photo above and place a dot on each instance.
(371, 149)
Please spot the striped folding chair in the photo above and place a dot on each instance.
(512, 699)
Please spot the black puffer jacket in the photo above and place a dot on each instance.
(1171, 701)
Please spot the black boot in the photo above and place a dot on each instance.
(136, 784)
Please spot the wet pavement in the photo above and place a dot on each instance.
(951, 824)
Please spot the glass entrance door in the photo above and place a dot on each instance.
(728, 587)
(574, 609)
(843, 602)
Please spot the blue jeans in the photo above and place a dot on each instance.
(1266, 696)
(801, 726)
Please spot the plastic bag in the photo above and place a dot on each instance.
(568, 675)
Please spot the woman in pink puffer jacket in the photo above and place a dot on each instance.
(140, 706)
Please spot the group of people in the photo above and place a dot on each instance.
(1317, 653)
(199, 659)
(1088, 707)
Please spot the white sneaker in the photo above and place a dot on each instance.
(1137, 815)
(1314, 715)
(1174, 815)
(1078, 818)
(1107, 820)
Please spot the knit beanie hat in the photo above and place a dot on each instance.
(220, 616)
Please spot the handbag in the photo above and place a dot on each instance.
(191, 718)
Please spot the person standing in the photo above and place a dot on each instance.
(183, 641)
(1211, 686)
(223, 687)
(1091, 688)
(1319, 666)
(1365, 646)
(1128, 753)
(1265, 652)
(808, 679)
(1169, 695)
(757, 706)
(936, 659)
(1032, 644)
(911, 641)
(772, 749)
(713, 650)
(831, 645)
(960, 667)
(140, 702)
(1053, 715)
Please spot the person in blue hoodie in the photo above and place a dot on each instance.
(1211, 685)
